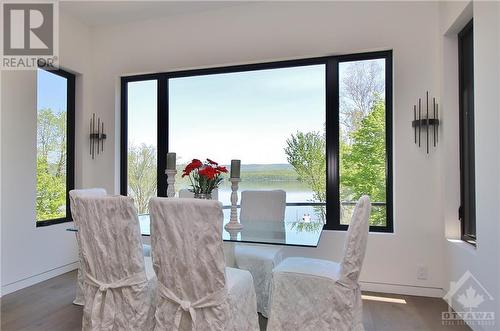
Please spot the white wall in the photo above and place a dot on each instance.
(272, 31)
(258, 32)
(484, 260)
(30, 254)
(1, 182)
(453, 17)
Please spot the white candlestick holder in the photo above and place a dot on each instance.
(170, 182)
(233, 220)
(233, 234)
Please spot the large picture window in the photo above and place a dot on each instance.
(258, 117)
(318, 128)
(55, 145)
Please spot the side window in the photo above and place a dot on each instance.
(467, 210)
(55, 145)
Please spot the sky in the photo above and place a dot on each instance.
(52, 94)
(51, 91)
(142, 112)
(244, 115)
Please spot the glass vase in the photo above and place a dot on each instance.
(206, 196)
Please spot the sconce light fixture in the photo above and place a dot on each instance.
(424, 122)
(96, 136)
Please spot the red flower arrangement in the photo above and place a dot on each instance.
(204, 177)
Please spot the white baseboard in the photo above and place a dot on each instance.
(365, 286)
(403, 289)
(32, 280)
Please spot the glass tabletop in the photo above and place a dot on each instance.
(302, 227)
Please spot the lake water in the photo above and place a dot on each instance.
(292, 213)
(295, 192)
(291, 196)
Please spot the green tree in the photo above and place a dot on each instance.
(363, 163)
(62, 142)
(51, 165)
(362, 158)
(51, 193)
(142, 175)
(47, 133)
(360, 84)
(306, 153)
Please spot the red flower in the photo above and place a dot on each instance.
(212, 162)
(191, 166)
(196, 163)
(208, 172)
(221, 169)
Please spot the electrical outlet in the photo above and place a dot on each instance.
(422, 272)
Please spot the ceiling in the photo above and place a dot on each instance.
(100, 13)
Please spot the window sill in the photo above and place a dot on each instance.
(462, 244)
(52, 222)
(373, 230)
(471, 242)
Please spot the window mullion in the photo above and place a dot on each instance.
(332, 145)
(162, 130)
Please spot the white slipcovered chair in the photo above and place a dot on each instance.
(90, 192)
(186, 193)
(195, 291)
(312, 294)
(258, 259)
(119, 281)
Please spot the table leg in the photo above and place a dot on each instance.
(229, 254)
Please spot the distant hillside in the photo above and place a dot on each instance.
(262, 173)
(266, 167)
(268, 172)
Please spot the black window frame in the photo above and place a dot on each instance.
(387, 55)
(467, 210)
(70, 144)
(332, 124)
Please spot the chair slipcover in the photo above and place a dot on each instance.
(312, 294)
(91, 192)
(258, 259)
(195, 290)
(118, 287)
(146, 250)
(185, 193)
(263, 205)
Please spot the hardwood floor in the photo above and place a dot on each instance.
(416, 314)
(47, 306)
(44, 306)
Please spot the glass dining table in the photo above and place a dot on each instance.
(298, 229)
(301, 227)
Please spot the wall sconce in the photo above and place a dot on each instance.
(96, 136)
(426, 122)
